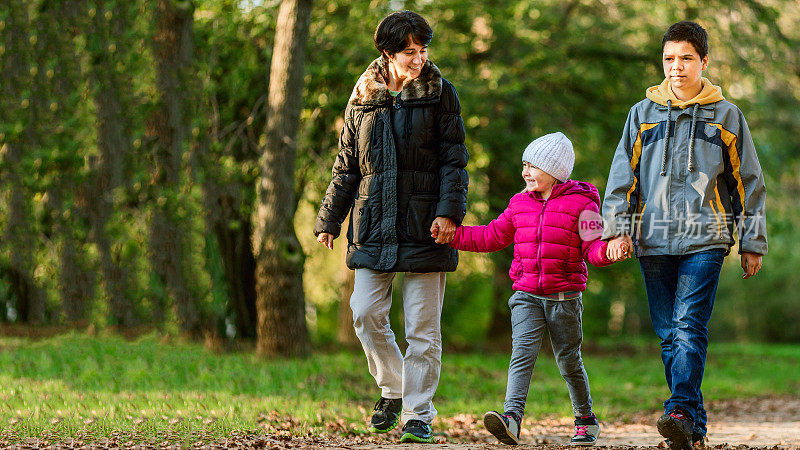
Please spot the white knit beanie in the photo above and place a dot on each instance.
(553, 154)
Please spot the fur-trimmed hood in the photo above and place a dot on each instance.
(371, 86)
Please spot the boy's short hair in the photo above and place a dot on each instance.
(393, 32)
(690, 32)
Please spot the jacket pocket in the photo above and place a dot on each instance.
(421, 211)
(708, 159)
(709, 156)
(515, 272)
(360, 222)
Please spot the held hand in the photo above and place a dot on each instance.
(326, 239)
(751, 264)
(443, 229)
(613, 249)
(619, 248)
(624, 250)
(626, 247)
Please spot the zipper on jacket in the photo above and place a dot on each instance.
(539, 250)
(669, 199)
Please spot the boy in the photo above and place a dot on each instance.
(684, 175)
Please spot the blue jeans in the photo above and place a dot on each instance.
(680, 293)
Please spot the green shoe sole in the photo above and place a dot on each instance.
(384, 430)
(408, 437)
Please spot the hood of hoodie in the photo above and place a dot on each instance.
(663, 93)
(568, 187)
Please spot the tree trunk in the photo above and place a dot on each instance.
(221, 205)
(76, 281)
(30, 305)
(235, 252)
(225, 199)
(169, 126)
(113, 143)
(17, 105)
(280, 300)
(76, 284)
(240, 265)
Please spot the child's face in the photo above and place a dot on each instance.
(535, 179)
(683, 66)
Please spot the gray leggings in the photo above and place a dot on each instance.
(529, 316)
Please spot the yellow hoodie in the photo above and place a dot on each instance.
(661, 93)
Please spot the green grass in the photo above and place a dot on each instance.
(154, 391)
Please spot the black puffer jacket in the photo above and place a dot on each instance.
(400, 165)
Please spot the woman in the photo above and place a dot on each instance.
(400, 173)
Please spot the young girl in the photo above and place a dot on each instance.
(554, 225)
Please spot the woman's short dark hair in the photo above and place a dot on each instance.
(690, 32)
(393, 32)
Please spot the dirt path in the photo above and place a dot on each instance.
(770, 423)
(758, 423)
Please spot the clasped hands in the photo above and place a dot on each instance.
(619, 248)
(443, 229)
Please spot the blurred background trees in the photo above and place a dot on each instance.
(131, 133)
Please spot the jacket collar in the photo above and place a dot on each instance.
(558, 189)
(588, 190)
(371, 86)
(703, 111)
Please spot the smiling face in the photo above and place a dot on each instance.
(407, 63)
(537, 180)
(684, 68)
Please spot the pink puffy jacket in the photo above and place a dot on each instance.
(549, 253)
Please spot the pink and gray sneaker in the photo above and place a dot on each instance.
(504, 427)
(587, 430)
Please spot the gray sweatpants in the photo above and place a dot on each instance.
(529, 316)
(415, 376)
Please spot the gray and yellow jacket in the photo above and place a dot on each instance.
(685, 175)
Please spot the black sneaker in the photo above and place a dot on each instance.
(386, 415)
(504, 427)
(587, 430)
(699, 441)
(677, 427)
(417, 431)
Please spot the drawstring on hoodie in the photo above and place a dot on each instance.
(669, 135)
(661, 95)
(666, 140)
(691, 137)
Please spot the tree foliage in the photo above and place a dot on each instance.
(96, 147)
